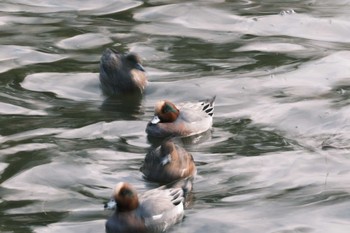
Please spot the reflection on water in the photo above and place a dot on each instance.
(276, 159)
(127, 106)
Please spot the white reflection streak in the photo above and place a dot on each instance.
(26, 147)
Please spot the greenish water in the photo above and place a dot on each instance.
(277, 159)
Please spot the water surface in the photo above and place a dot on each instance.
(276, 160)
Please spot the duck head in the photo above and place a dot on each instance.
(134, 62)
(165, 112)
(121, 73)
(124, 198)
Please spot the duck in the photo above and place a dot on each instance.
(121, 73)
(184, 119)
(155, 210)
(167, 163)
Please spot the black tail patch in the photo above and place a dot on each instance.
(208, 106)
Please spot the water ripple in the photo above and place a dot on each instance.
(17, 56)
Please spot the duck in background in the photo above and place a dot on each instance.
(153, 211)
(184, 119)
(168, 163)
(121, 73)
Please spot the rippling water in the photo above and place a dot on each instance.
(277, 159)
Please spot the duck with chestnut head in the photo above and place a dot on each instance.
(153, 211)
(184, 119)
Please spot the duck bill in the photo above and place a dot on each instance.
(111, 205)
(155, 120)
(138, 66)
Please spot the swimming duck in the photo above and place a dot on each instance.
(121, 73)
(185, 119)
(167, 163)
(154, 211)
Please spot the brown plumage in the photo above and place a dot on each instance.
(166, 111)
(126, 197)
(168, 163)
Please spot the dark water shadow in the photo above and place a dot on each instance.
(185, 141)
(125, 106)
